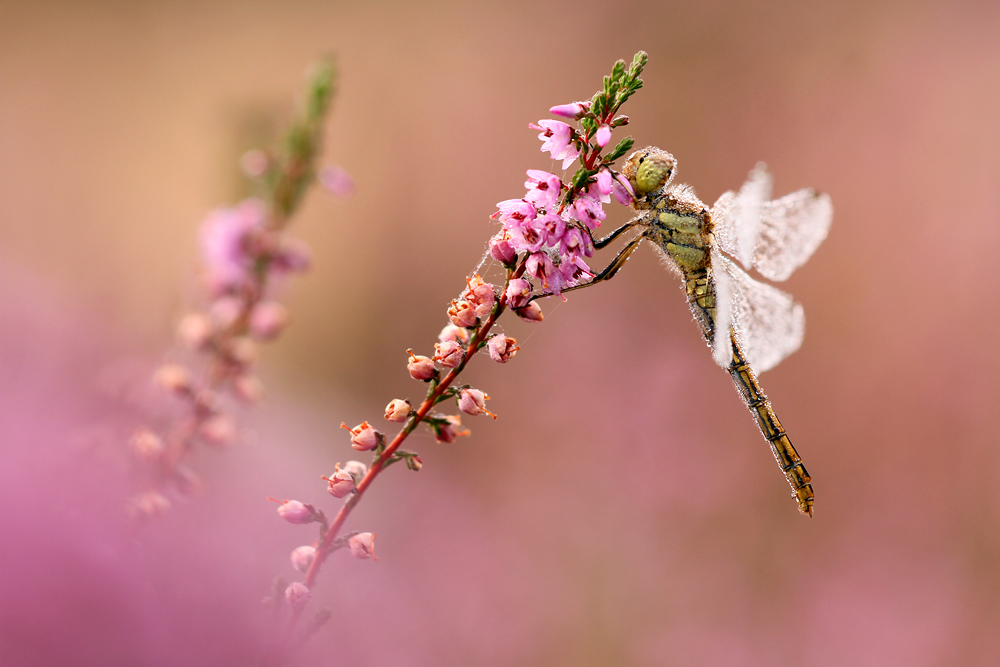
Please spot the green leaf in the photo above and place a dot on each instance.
(624, 146)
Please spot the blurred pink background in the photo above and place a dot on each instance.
(624, 509)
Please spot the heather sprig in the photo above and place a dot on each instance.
(245, 253)
(545, 237)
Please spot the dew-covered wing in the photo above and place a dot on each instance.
(768, 323)
(791, 228)
(736, 217)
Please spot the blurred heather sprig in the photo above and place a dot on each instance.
(245, 252)
(544, 239)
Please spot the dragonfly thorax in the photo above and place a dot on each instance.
(677, 223)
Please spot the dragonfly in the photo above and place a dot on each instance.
(749, 325)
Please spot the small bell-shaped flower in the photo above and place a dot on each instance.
(420, 367)
(449, 353)
(473, 402)
(363, 437)
(363, 545)
(302, 557)
(398, 410)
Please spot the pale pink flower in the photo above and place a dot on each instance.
(622, 190)
(451, 429)
(255, 163)
(248, 388)
(242, 351)
(573, 269)
(363, 437)
(543, 188)
(174, 378)
(530, 313)
(340, 484)
(194, 331)
(473, 402)
(540, 266)
(557, 138)
(551, 227)
(337, 181)
(451, 332)
(420, 367)
(604, 180)
(225, 244)
(268, 319)
(575, 242)
(480, 294)
(502, 347)
(588, 211)
(449, 353)
(398, 410)
(357, 469)
(603, 136)
(462, 314)
(292, 257)
(518, 293)
(302, 557)
(218, 430)
(574, 110)
(297, 594)
(294, 511)
(513, 211)
(148, 504)
(500, 248)
(146, 445)
(363, 545)
(225, 310)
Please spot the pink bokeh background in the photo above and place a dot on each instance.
(623, 509)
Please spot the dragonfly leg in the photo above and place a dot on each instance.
(600, 243)
(610, 270)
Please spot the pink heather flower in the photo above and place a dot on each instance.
(255, 163)
(594, 192)
(225, 310)
(148, 504)
(502, 348)
(462, 314)
(573, 269)
(553, 227)
(146, 445)
(588, 211)
(363, 545)
(363, 437)
(557, 138)
(500, 248)
(603, 136)
(194, 331)
(293, 511)
(518, 293)
(604, 181)
(451, 332)
(174, 378)
(219, 430)
(448, 431)
(297, 594)
(340, 484)
(622, 190)
(267, 319)
(574, 110)
(449, 354)
(528, 235)
(530, 313)
(398, 410)
(225, 244)
(575, 242)
(473, 402)
(514, 211)
(539, 265)
(420, 367)
(292, 257)
(480, 294)
(302, 557)
(543, 188)
(242, 351)
(357, 469)
(248, 388)
(337, 181)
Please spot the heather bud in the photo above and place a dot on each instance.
(341, 483)
(363, 545)
(398, 410)
(462, 314)
(194, 331)
(363, 436)
(518, 293)
(414, 462)
(302, 557)
(248, 388)
(421, 368)
(219, 430)
(501, 249)
(451, 332)
(357, 469)
(174, 378)
(449, 354)
(146, 444)
(297, 594)
(502, 348)
(450, 429)
(242, 351)
(530, 313)
(473, 402)
(225, 310)
(148, 504)
(293, 511)
(255, 163)
(267, 319)
(574, 110)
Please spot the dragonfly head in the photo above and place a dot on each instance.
(649, 170)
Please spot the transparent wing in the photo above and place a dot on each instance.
(791, 228)
(768, 323)
(736, 217)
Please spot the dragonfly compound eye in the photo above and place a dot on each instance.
(649, 169)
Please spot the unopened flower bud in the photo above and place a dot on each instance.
(363, 436)
(357, 469)
(174, 378)
(530, 313)
(518, 293)
(255, 163)
(292, 257)
(603, 136)
(421, 368)
(502, 348)
(297, 594)
(248, 388)
(451, 332)
(340, 484)
(242, 351)
(293, 511)
(302, 557)
(219, 429)
(398, 410)
(414, 462)
(574, 110)
(473, 402)
(146, 445)
(148, 504)
(501, 249)
(449, 353)
(194, 331)
(225, 310)
(462, 314)
(363, 545)
(451, 429)
(268, 319)
(337, 181)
